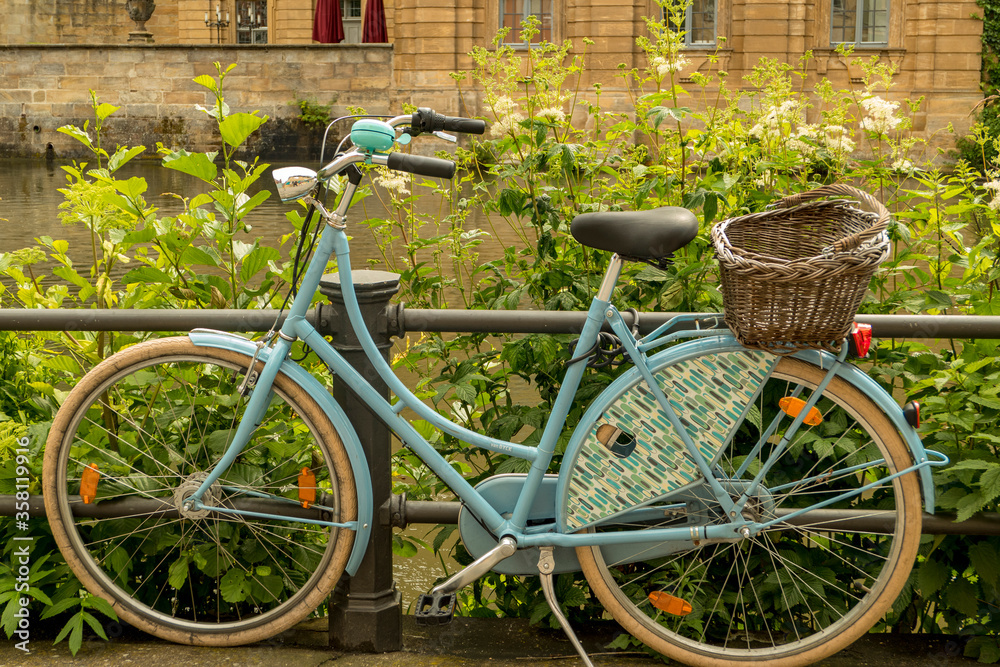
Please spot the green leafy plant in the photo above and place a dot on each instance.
(314, 115)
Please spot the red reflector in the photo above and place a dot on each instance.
(307, 487)
(88, 483)
(911, 412)
(669, 603)
(861, 334)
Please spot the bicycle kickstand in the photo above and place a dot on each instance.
(546, 566)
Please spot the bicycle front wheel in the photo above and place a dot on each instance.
(137, 436)
(801, 589)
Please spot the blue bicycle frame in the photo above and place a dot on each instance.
(333, 242)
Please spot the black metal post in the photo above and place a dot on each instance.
(366, 609)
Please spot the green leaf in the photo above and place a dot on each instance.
(101, 605)
(77, 134)
(201, 200)
(466, 393)
(132, 187)
(986, 562)
(233, 586)
(241, 249)
(118, 201)
(403, 548)
(968, 506)
(238, 126)
(76, 636)
(178, 572)
(989, 483)
(711, 207)
(660, 114)
(144, 235)
(257, 260)
(931, 576)
(146, 274)
(123, 155)
(961, 596)
(104, 110)
(59, 607)
(199, 165)
(938, 298)
(207, 81)
(266, 588)
(985, 649)
(254, 202)
(195, 255)
(95, 625)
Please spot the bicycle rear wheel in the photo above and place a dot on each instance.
(136, 436)
(802, 589)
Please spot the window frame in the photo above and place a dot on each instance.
(863, 7)
(689, 27)
(515, 29)
(253, 33)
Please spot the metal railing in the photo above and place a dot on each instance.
(373, 624)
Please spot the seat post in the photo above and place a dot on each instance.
(610, 278)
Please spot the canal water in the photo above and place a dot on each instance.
(29, 208)
(30, 199)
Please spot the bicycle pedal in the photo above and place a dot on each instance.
(435, 609)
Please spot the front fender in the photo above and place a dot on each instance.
(359, 464)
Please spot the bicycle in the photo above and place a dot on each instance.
(725, 505)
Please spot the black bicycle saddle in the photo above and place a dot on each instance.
(648, 236)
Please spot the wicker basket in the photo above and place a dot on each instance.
(793, 276)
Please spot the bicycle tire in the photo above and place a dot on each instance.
(787, 604)
(154, 417)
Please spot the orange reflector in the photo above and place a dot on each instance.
(793, 406)
(307, 487)
(88, 483)
(670, 603)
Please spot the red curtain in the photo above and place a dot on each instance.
(374, 31)
(328, 25)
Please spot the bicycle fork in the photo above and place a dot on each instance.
(256, 406)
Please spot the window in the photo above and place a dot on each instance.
(251, 21)
(350, 13)
(350, 9)
(699, 22)
(512, 12)
(862, 22)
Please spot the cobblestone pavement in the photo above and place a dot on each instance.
(463, 643)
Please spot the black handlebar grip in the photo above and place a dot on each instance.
(465, 125)
(428, 120)
(418, 164)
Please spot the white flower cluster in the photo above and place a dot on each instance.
(838, 139)
(881, 118)
(902, 165)
(395, 182)
(663, 67)
(773, 121)
(809, 138)
(507, 115)
(994, 188)
(805, 140)
(552, 114)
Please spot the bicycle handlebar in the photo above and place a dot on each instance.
(422, 120)
(428, 120)
(418, 164)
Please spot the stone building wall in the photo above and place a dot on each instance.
(934, 43)
(81, 22)
(45, 87)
